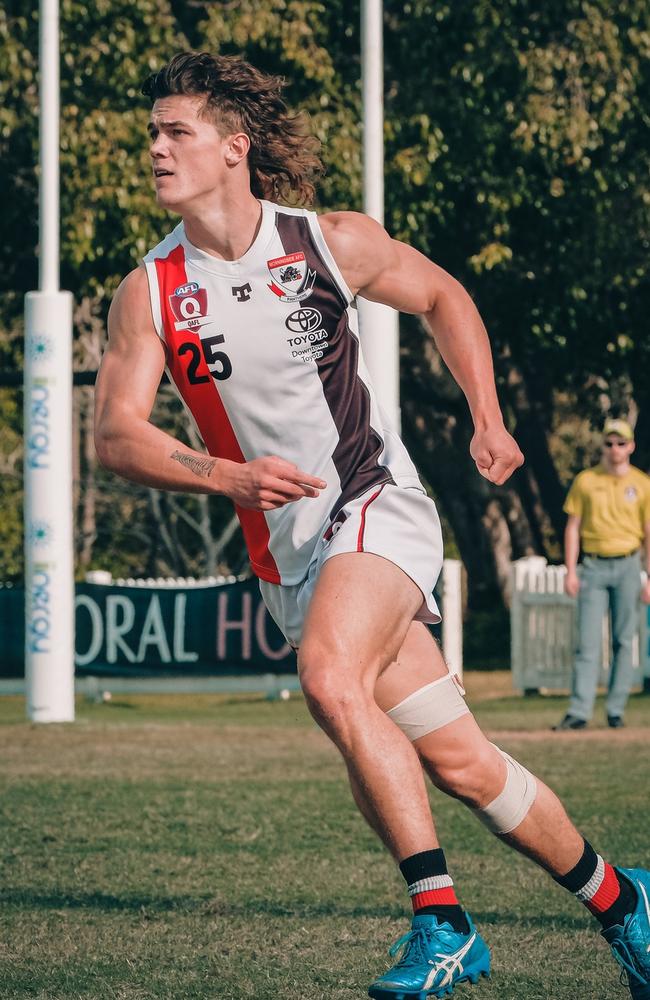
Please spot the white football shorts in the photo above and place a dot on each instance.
(399, 523)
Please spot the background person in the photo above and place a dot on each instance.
(609, 519)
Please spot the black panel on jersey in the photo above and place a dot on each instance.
(356, 456)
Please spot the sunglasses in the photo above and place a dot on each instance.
(615, 444)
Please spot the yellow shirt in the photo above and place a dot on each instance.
(613, 510)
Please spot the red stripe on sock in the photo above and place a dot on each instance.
(607, 894)
(434, 897)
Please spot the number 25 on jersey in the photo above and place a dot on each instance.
(217, 361)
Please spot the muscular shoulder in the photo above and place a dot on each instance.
(344, 229)
(132, 290)
(360, 246)
(130, 310)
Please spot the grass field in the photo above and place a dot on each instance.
(183, 848)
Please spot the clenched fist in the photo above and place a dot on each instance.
(496, 454)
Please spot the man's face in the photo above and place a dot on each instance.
(187, 152)
(616, 450)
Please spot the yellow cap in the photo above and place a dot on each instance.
(620, 427)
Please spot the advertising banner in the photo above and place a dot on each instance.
(139, 631)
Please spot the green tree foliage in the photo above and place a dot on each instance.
(315, 46)
(108, 215)
(519, 159)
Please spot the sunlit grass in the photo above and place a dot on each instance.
(202, 847)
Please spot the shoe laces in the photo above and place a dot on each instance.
(625, 959)
(634, 941)
(413, 946)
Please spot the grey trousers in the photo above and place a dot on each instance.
(613, 583)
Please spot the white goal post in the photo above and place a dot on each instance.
(378, 324)
(49, 562)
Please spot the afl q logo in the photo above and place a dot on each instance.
(303, 320)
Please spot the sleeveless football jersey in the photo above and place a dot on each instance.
(264, 352)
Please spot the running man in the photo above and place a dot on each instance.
(251, 308)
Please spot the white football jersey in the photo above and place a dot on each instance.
(264, 352)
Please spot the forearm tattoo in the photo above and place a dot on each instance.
(199, 466)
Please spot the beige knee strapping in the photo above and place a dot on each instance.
(513, 804)
(430, 707)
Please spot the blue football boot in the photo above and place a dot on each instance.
(433, 958)
(630, 943)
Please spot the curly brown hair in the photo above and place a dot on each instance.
(283, 158)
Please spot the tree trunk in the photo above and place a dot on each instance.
(468, 502)
(642, 430)
(171, 565)
(542, 493)
(490, 523)
(87, 351)
(77, 492)
(87, 516)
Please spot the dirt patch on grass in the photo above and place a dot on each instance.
(620, 736)
(486, 685)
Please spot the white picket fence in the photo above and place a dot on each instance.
(543, 630)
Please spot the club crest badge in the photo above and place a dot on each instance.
(189, 304)
(630, 493)
(292, 280)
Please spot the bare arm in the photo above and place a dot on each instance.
(571, 553)
(128, 380)
(129, 444)
(384, 270)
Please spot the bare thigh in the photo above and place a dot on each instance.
(418, 662)
(361, 610)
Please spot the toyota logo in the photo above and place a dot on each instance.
(303, 320)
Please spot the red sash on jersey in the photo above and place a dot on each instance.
(188, 369)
